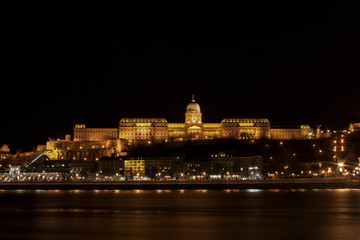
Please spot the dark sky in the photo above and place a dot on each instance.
(293, 63)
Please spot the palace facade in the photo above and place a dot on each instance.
(132, 130)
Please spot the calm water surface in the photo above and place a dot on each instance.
(180, 214)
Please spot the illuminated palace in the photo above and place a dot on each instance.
(133, 130)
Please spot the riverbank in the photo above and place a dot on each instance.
(149, 185)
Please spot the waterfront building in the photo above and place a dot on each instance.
(134, 168)
(221, 166)
(241, 167)
(111, 166)
(153, 167)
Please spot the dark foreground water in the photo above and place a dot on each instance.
(179, 214)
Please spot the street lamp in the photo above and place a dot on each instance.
(340, 165)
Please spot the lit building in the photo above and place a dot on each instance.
(134, 168)
(193, 128)
(133, 130)
(354, 127)
(143, 129)
(5, 152)
(154, 167)
(81, 133)
(223, 165)
(288, 133)
(86, 150)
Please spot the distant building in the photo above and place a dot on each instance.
(223, 165)
(134, 168)
(81, 133)
(91, 144)
(354, 127)
(152, 167)
(87, 150)
(111, 166)
(82, 167)
(55, 166)
(290, 133)
(133, 130)
(5, 152)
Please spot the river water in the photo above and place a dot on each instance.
(180, 214)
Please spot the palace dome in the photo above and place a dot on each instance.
(193, 106)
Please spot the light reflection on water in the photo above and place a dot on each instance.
(180, 214)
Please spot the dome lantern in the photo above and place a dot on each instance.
(193, 106)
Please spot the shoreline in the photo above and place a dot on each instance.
(189, 185)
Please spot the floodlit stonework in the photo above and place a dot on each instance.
(132, 130)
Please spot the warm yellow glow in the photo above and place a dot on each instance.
(134, 167)
(246, 124)
(143, 124)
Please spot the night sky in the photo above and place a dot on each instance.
(293, 63)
